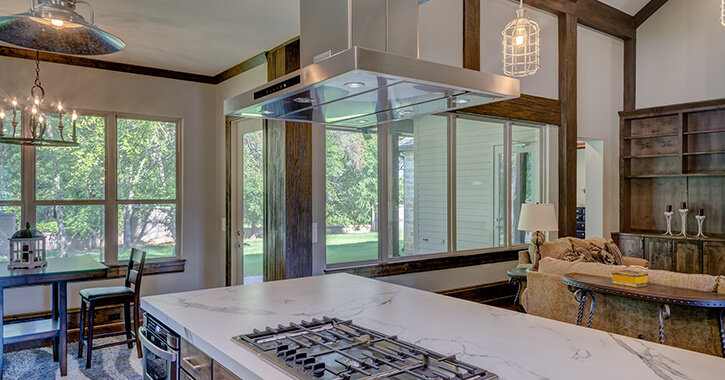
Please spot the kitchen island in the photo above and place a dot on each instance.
(510, 344)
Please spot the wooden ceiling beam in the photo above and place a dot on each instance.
(591, 13)
(648, 10)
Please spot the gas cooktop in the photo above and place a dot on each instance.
(331, 348)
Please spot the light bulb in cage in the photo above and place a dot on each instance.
(521, 45)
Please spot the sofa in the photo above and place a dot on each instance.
(690, 328)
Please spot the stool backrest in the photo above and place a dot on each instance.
(133, 276)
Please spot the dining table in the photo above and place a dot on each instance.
(57, 273)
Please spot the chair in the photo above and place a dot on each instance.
(113, 295)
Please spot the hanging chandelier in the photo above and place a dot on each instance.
(521, 45)
(38, 129)
(56, 26)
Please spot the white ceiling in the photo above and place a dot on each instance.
(203, 37)
(627, 6)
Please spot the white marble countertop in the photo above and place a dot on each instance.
(512, 345)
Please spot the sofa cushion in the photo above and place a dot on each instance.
(704, 282)
(616, 253)
(555, 248)
(721, 284)
(579, 255)
(560, 267)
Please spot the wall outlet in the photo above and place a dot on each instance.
(114, 316)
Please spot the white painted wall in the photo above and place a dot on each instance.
(681, 54)
(599, 90)
(202, 239)
(440, 35)
(581, 163)
(594, 183)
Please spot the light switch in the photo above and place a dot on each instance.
(314, 232)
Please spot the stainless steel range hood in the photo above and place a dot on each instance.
(359, 87)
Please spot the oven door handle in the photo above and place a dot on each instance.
(163, 354)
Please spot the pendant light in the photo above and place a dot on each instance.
(56, 26)
(29, 124)
(521, 45)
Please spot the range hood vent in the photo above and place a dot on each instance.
(358, 87)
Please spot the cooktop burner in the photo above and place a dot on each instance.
(331, 348)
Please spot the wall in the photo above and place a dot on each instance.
(112, 91)
(599, 90)
(680, 55)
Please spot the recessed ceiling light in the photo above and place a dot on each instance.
(460, 100)
(406, 112)
(266, 112)
(354, 84)
(303, 100)
(363, 121)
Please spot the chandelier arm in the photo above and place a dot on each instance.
(90, 9)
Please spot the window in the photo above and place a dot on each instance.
(94, 200)
(450, 184)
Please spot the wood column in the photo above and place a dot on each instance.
(568, 127)
(630, 74)
(472, 34)
(287, 184)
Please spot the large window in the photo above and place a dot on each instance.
(117, 190)
(449, 184)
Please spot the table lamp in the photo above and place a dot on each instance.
(537, 217)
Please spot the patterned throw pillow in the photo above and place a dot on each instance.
(615, 252)
(579, 255)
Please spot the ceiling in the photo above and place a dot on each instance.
(203, 37)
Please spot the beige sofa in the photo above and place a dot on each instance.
(690, 328)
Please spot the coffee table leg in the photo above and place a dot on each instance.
(580, 297)
(664, 314)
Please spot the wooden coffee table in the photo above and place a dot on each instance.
(583, 286)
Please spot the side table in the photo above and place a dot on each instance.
(518, 276)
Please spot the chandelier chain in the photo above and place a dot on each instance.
(38, 85)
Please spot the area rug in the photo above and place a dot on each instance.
(116, 362)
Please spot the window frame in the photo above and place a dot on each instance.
(28, 202)
(384, 194)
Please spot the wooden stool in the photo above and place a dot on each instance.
(113, 295)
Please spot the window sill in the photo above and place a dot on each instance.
(150, 268)
(416, 265)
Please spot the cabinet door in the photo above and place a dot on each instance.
(632, 246)
(659, 253)
(196, 363)
(714, 262)
(221, 373)
(688, 257)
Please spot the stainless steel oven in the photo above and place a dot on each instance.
(160, 350)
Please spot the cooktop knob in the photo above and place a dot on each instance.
(318, 369)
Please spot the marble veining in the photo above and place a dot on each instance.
(512, 345)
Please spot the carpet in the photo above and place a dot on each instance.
(116, 362)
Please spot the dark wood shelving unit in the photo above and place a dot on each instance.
(669, 155)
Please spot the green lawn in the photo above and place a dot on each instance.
(341, 248)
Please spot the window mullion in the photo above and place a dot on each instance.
(507, 149)
(111, 222)
(28, 184)
(452, 203)
(383, 195)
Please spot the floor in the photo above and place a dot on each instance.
(116, 362)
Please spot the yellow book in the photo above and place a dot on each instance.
(629, 277)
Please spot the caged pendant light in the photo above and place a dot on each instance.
(521, 45)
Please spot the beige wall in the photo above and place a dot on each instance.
(112, 91)
(681, 54)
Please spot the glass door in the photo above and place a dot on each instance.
(247, 201)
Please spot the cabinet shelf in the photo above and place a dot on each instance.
(712, 174)
(703, 132)
(701, 153)
(653, 155)
(651, 136)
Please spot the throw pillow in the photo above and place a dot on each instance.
(579, 255)
(615, 252)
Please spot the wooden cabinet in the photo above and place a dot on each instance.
(687, 256)
(196, 363)
(714, 258)
(659, 253)
(221, 373)
(631, 246)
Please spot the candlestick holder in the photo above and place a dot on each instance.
(668, 216)
(700, 219)
(683, 214)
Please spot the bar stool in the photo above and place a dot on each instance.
(113, 295)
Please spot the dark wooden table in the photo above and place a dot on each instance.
(57, 273)
(583, 285)
(518, 276)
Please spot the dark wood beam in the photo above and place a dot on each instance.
(648, 10)
(630, 74)
(241, 68)
(472, 34)
(104, 65)
(568, 125)
(526, 108)
(592, 13)
(287, 184)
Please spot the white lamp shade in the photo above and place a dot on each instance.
(538, 217)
